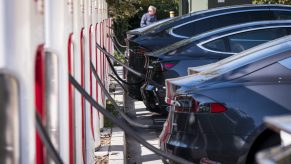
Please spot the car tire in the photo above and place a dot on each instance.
(270, 141)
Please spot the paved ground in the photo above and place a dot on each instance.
(117, 149)
(135, 152)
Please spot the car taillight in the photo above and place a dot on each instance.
(168, 65)
(189, 104)
(212, 108)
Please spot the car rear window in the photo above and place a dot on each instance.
(248, 56)
(246, 40)
(204, 25)
(282, 15)
(241, 41)
(216, 45)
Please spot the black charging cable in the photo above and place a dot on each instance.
(124, 126)
(157, 85)
(46, 140)
(115, 78)
(120, 109)
(116, 74)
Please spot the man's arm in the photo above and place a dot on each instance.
(143, 21)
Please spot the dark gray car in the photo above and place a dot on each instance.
(218, 114)
(167, 32)
(173, 61)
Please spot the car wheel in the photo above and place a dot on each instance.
(263, 143)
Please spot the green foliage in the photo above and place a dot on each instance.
(286, 2)
(119, 57)
(109, 107)
(163, 9)
(127, 13)
(122, 9)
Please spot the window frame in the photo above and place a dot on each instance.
(225, 41)
(202, 43)
(171, 30)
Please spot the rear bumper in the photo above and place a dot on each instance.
(194, 148)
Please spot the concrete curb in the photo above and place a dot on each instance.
(117, 150)
(102, 151)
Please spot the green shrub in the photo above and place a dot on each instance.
(119, 57)
(127, 14)
(109, 107)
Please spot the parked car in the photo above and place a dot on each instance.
(175, 29)
(173, 61)
(217, 114)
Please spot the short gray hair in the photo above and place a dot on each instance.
(153, 8)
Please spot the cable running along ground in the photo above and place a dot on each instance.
(120, 109)
(124, 126)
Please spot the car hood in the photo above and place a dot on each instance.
(227, 69)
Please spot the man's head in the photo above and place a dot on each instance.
(152, 10)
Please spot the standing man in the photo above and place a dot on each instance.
(149, 17)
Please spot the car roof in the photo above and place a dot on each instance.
(234, 62)
(204, 13)
(221, 32)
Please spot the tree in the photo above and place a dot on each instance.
(126, 14)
